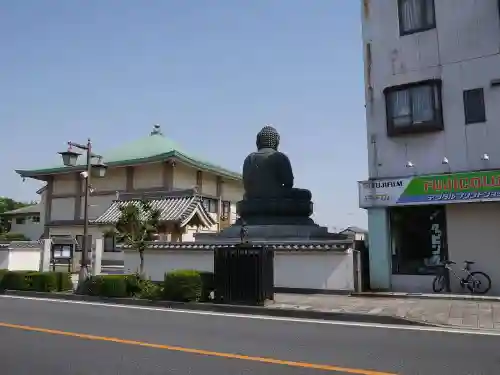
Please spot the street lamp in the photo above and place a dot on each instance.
(98, 169)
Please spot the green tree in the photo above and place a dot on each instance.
(137, 225)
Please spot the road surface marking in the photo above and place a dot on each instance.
(273, 318)
(314, 366)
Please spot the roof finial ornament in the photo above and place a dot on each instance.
(156, 130)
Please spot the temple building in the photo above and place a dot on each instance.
(193, 195)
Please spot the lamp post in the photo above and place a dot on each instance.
(98, 169)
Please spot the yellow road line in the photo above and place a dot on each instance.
(197, 351)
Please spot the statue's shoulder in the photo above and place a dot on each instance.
(281, 157)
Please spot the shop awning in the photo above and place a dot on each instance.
(180, 209)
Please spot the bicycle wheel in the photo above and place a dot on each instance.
(478, 282)
(439, 284)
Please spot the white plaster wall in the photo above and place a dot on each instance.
(98, 204)
(63, 209)
(473, 234)
(232, 191)
(115, 179)
(4, 259)
(24, 259)
(159, 262)
(464, 52)
(148, 176)
(64, 183)
(209, 184)
(31, 230)
(184, 177)
(315, 270)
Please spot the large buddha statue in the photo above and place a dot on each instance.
(268, 182)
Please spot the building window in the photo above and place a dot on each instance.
(418, 237)
(416, 16)
(226, 209)
(20, 220)
(109, 243)
(35, 219)
(210, 205)
(414, 108)
(474, 106)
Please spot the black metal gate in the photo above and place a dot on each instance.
(364, 257)
(244, 274)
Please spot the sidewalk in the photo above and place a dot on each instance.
(456, 313)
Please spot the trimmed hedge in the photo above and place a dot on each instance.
(106, 286)
(178, 285)
(35, 281)
(183, 286)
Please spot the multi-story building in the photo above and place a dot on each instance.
(192, 195)
(432, 76)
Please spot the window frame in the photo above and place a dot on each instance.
(226, 209)
(35, 219)
(107, 249)
(468, 120)
(207, 204)
(20, 220)
(403, 32)
(437, 124)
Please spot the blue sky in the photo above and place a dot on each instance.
(211, 73)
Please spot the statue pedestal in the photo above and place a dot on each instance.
(304, 231)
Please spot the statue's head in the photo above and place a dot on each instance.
(268, 137)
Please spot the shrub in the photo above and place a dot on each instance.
(91, 286)
(149, 290)
(182, 285)
(64, 282)
(16, 280)
(133, 283)
(36, 281)
(105, 286)
(207, 285)
(43, 281)
(2, 274)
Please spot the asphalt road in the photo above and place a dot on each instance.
(46, 338)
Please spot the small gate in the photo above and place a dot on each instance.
(244, 274)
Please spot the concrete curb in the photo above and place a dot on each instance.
(230, 309)
(437, 296)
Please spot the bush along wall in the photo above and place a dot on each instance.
(35, 281)
(179, 285)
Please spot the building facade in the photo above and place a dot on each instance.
(25, 221)
(432, 80)
(193, 195)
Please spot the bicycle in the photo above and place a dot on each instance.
(471, 281)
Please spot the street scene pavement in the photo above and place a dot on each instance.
(47, 337)
(457, 313)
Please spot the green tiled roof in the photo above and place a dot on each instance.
(154, 147)
(32, 209)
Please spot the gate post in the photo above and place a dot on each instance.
(45, 255)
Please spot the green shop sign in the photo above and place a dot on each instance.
(444, 188)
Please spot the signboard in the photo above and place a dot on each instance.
(463, 187)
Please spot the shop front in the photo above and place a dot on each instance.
(415, 222)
